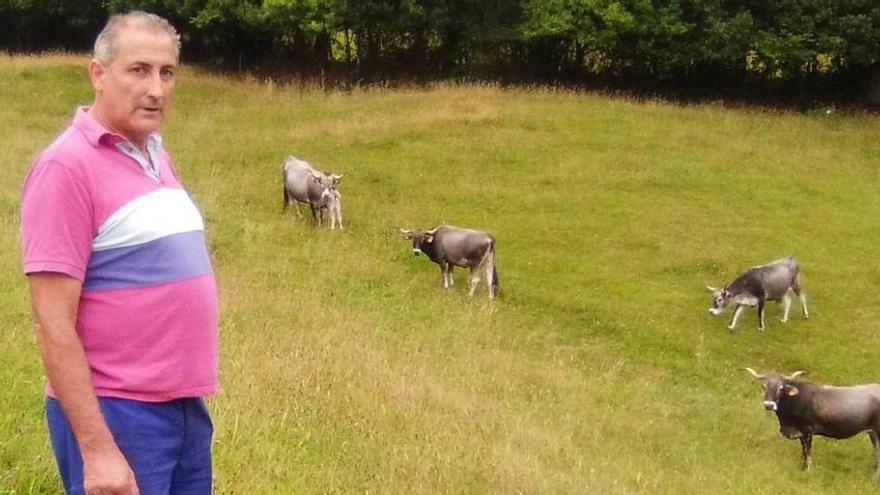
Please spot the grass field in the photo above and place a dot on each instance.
(346, 368)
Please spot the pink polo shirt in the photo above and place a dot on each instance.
(148, 310)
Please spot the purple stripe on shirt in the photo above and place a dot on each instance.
(167, 259)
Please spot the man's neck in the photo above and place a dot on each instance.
(98, 115)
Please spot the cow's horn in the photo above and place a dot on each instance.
(711, 289)
(795, 375)
(431, 232)
(759, 377)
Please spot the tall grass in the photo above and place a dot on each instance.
(345, 367)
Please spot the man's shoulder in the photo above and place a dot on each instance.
(64, 158)
(69, 150)
(65, 148)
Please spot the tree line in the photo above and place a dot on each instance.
(788, 49)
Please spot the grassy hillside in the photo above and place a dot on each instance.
(345, 366)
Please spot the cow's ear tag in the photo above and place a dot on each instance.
(792, 391)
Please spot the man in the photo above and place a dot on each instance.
(123, 295)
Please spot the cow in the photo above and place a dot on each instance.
(770, 282)
(450, 246)
(805, 409)
(331, 203)
(304, 184)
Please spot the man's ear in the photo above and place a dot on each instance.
(96, 75)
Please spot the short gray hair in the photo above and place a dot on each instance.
(105, 44)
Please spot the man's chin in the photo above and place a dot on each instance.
(145, 127)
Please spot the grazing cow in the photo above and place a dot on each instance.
(304, 184)
(805, 409)
(453, 246)
(770, 282)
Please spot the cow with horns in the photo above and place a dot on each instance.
(755, 286)
(805, 409)
(301, 183)
(454, 246)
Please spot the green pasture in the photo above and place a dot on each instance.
(346, 368)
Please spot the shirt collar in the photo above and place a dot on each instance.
(96, 133)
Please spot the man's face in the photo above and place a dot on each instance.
(133, 93)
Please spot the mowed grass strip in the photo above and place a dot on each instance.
(346, 368)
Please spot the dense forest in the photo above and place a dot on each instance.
(787, 50)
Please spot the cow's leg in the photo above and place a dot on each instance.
(796, 287)
(806, 444)
(295, 205)
(339, 215)
(761, 303)
(786, 304)
(474, 280)
(445, 269)
(803, 297)
(875, 441)
(449, 269)
(736, 313)
(315, 220)
(330, 212)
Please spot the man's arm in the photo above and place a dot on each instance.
(55, 300)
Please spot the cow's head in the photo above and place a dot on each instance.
(324, 181)
(720, 299)
(329, 197)
(420, 239)
(776, 386)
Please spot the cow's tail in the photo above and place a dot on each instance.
(286, 196)
(494, 283)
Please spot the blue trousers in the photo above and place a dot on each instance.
(166, 444)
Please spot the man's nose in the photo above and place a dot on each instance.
(155, 88)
